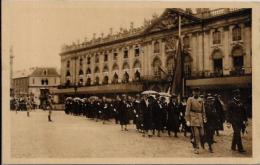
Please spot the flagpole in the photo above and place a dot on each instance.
(182, 62)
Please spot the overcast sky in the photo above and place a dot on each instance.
(38, 29)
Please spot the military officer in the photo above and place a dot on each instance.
(237, 117)
(195, 116)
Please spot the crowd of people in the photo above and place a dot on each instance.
(200, 116)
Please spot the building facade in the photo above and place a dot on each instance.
(217, 54)
(36, 83)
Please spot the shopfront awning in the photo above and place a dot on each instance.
(110, 88)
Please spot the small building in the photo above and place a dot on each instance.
(36, 83)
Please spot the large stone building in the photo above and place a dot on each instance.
(36, 83)
(217, 48)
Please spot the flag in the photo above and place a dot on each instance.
(176, 86)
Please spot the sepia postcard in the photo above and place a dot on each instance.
(135, 82)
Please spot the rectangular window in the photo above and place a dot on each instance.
(126, 54)
(88, 60)
(96, 59)
(186, 42)
(105, 57)
(137, 52)
(216, 37)
(33, 80)
(115, 56)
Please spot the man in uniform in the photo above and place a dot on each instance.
(237, 117)
(195, 116)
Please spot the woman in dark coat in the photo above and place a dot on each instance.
(173, 116)
(123, 114)
(138, 114)
(157, 117)
(148, 115)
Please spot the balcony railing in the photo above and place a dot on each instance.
(218, 73)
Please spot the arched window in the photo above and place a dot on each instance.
(115, 79)
(238, 58)
(96, 70)
(156, 66)
(67, 73)
(80, 81)
(217, 62)
(126, 66)
(88, 81)
(170, 64)
(137, 64)
(137, 76)
(81, 72)
(105, 69)
(88, 71)
(97, 81)
(125, 78)
(68, 64)
(186, 42)
(105, 80)
(236, 33)
(115, 67)
(156, 46)
(67, 83)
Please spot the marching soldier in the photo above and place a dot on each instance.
(195, 116)
(237, 117)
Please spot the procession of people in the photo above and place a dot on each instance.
(153, 114)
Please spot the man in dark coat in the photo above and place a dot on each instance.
(173, 116)
(116, 108)
(157, 116)
(123, 114)
(237, 117)
(138, 111)
(212, 120)
(164, 108)
(220, 114)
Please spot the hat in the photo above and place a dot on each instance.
(173, 96)
(236, 91)
(196, 89)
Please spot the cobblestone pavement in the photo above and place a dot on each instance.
(78, 137)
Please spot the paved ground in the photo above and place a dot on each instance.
(78, 137)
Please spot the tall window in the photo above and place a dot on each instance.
(137, 76)
(236, 33)
(156, 46)
(137, 51)
(105, 57)
(105, 80)
(125, 53)
(216, 37)
(33, 81)
(97, 58)
(88, 71)
(217, 62)
(81, 72)
(156, 67)
(115, 56)
(115, 79)
(80, 62)
(238, 58)
(97, 81)
(88, 60)
(96, 70)
(126, 78)
(187, 65)
(186, 42)
(68, 64)
(170, 64)
(105, 69)
(88, 81)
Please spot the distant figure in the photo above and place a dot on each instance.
(173, 116)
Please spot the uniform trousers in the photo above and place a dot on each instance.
(197, 134)
(236, 141)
